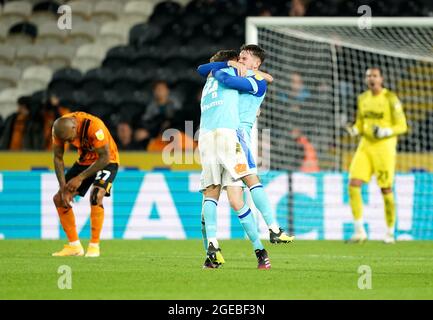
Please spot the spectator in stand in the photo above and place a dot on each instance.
(309, 162)
(159, 116)
(54, 109)
(124, 136)
(298, 8)
(21, 132)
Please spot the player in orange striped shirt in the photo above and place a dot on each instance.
(98, 164)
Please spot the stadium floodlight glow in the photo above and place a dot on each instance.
(318, 64)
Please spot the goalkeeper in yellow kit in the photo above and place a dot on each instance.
(379, 120)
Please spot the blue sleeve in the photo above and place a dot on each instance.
(249, 84)
(204, 69)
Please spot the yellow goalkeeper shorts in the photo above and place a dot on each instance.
(369, 160)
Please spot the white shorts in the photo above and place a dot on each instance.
(222, 158)
(245, 141)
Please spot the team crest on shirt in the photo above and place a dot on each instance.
(240, 168)
(99, 135)
(258, 76)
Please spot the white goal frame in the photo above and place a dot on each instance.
(253, 23)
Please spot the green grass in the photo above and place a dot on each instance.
(163, 269)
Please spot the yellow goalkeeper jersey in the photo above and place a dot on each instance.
(383, 110)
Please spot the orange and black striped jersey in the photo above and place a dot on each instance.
(91, 134)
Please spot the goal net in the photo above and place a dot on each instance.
(319, 66)
(319, 69)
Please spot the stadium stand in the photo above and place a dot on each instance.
(116, 49)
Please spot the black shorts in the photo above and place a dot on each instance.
(103, 178)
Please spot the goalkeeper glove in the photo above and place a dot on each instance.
(381, 133)
(352, 130)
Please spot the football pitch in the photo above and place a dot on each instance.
(166, 269)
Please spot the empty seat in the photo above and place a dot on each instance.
(82, 10)
(144, 34)
(96, 80)
(82, 33)
(138, 11)
(115, 33)
(28, 87)
(65, 80)
(88, 56)
(125, 81)
(44, 11)
(22, 33)
(8, 101)
(133, 105)
(50, 34)
(29, 55)
(119, 57)
(37, 74)
(9, 76)
(7, 54)
(15, 11)
(59, 56)
(169, 8)
(3, 33)
(105, 11)
(102, 105)
(147, 58)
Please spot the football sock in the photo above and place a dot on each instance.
(248, 222)
(209, 215)
(355, 200)
(96, 221)
(67, 219)
(389, 202)
(261, 201)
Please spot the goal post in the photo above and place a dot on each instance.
(319, 64)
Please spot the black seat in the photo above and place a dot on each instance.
(81, 101)
(96, 80)
(126, 81)
(232, 42)
(119, 57)
(147, 58)
(208, 30)
(133, 105)
(169, 8)
(169, 39)
(181, 31)
(65, 80)
(200, 41)
(102, 105)
(24, 28)
(162, 20)
(144, 34)
(49, 6)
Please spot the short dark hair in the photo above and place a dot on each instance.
(255, 51)
(25, 101)
(158, 82)
(224, 55)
